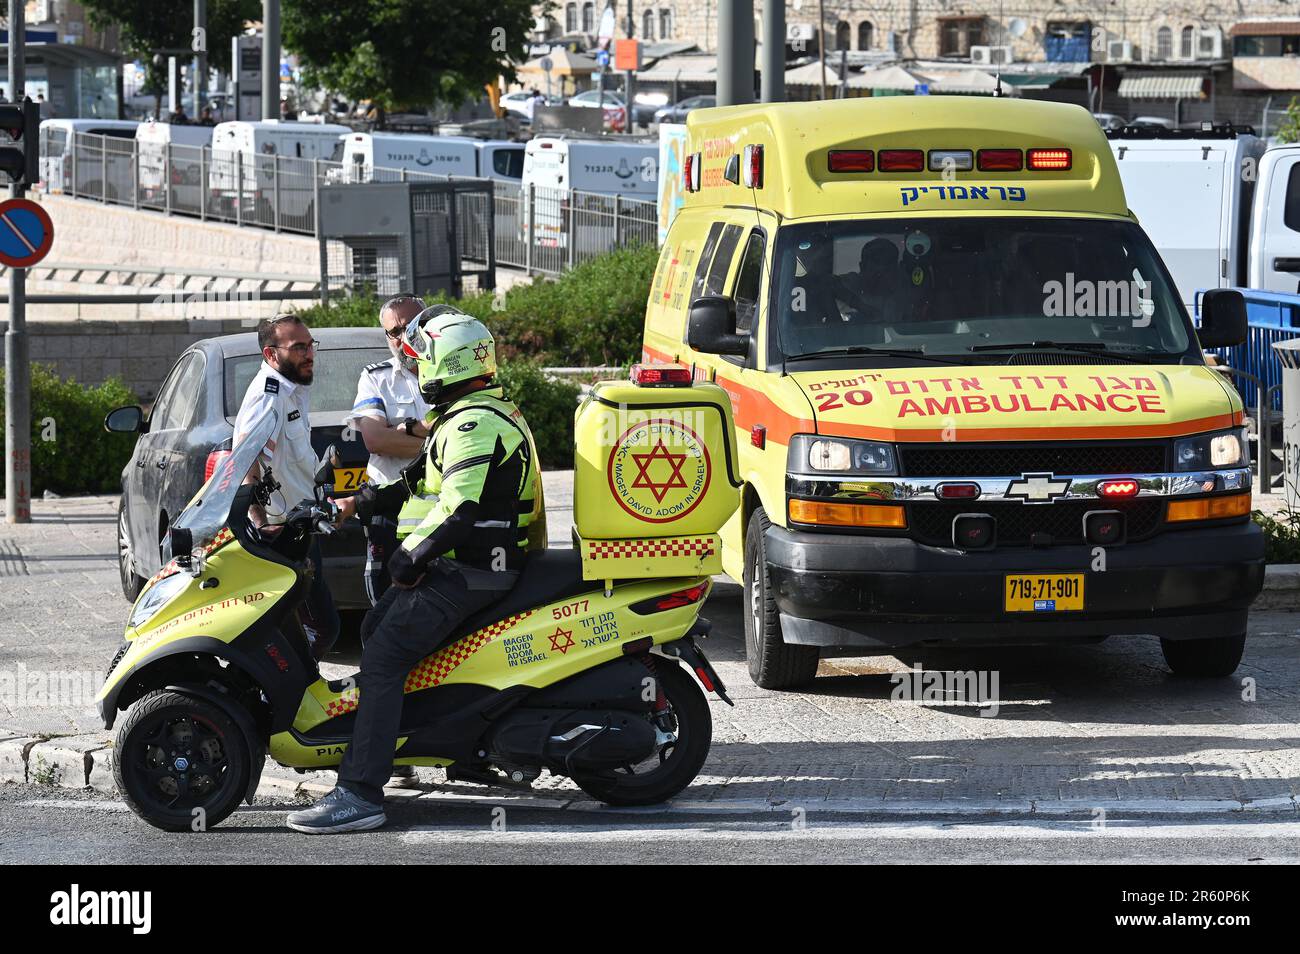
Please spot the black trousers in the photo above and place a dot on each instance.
(404, 627)
(381, 543)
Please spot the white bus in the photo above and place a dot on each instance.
(58, 160)
(362, 153)
(265, 151)
(170, 157)
(556, 167)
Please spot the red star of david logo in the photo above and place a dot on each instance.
(561, 640)
(659, 488)
(480, 351)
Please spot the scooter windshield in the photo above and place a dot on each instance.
(209, 509)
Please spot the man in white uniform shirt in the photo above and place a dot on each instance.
(282, 386)
(389, 413)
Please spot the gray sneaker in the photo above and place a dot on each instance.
(338, 811)
(404, 776)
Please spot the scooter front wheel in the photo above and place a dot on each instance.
(673, 765)
(180, 763)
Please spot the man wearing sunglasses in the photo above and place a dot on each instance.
(388, 412)
(281, 386)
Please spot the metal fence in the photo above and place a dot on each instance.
(540, 230)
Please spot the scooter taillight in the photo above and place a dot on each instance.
(657, 604)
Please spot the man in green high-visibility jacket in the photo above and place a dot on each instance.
(469, 513)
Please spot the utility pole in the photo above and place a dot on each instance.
(270, 59)
(200, 46)
(773, 81)
(18, 371)
(629, 86)
(821, 42)
(736, 52)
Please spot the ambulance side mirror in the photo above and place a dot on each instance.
(711, 327)
(1223, 318)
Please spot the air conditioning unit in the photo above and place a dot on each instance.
(1119, 51)
(1209, 44)
(990, 55)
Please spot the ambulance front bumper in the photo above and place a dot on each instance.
(850, 593)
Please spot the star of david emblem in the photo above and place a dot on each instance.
(659, 488)
(480, 351)
(561, 640)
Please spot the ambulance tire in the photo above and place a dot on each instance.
(773, 664)
(1204, 658)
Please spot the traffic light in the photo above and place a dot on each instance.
(20, 158)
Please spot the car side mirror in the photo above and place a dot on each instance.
(1223, 318)
(125, 420)
(711, 327)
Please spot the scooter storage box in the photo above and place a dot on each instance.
(654, 479)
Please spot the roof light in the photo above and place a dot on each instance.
(850, 160)
(901, 160)
(1117, 488)
(999, 160)
(1049, 159)
(660, 375)
(691, 172)
(958, 160)
(751, 167)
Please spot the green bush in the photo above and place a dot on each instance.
(71, 451)
(1281, 536)
(548, 405)
(349, 311)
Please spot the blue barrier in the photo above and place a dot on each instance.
(1273, 317)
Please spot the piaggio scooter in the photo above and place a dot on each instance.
(582, 678)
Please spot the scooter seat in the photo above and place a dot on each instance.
(548, 575)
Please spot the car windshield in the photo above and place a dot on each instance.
(974, 286)
(333, 388)
(209, 509)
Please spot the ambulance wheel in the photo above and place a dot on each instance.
(674, 765)
(132, 584)
(773, 664)
(180, 763)
(1205, 658)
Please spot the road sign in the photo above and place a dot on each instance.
(602, 58)
(921, 89)
(26, 233)
(547, 64)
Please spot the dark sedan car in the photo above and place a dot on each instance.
(191, 425)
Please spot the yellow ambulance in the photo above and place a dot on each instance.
(971, 407)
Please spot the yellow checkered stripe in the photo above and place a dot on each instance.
(640, 549)
(434, 669)
(219, 541)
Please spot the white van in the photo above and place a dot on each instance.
(433, 155)
(555, 168)
(267, 150)
(170, 157)
(59, 138)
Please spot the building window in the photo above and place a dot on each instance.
(1164, 43)
(1187, 45)
(1265, 45)
(958, 34)
(648, 25)
(842, 35)
(588, 17)
(864, 35)
(665, 24)
(571, 18)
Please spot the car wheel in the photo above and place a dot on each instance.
(773, 664)
(1204, 658)
(132, 584)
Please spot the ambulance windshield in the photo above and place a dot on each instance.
(973, 287)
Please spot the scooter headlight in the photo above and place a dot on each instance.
(156, 597)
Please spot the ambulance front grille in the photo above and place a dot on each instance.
(1011, 460)
(1059, 523)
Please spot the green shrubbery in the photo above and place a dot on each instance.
(71, 452)
(1281, 536)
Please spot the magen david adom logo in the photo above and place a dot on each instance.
(659, 470)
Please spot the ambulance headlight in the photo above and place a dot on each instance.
(156, 597)
(1212, 451)
(810, 454)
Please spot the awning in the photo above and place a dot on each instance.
(699, 68)
(563, 63)
(1030, 80)
(1163, 86)
(962, 81)
(887, 78)
(1265, 28)
(811, 74)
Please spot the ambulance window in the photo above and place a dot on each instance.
(717, 279)
(706, 256)
(1291, 210)
(747, 283)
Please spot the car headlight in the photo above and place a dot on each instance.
(1212, 451)
(156, 597)
(811, 454)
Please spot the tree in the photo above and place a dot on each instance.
(1289, 129)
(402, 54)
(149, 25)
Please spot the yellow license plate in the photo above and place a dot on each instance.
(348, 479)
(1043, 592)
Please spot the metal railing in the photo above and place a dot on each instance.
(540, 230)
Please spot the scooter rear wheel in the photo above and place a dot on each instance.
(677, 763)
(180, 763)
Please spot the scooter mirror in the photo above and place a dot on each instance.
(325, 469)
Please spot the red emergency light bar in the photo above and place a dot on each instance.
(901, 160)
(660, 375)
(1117, 488)
(850, 160)
(1043, 160)
(999, 160)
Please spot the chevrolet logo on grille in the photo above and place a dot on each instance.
(1037, 488)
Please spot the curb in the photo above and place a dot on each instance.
(1281, 588)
